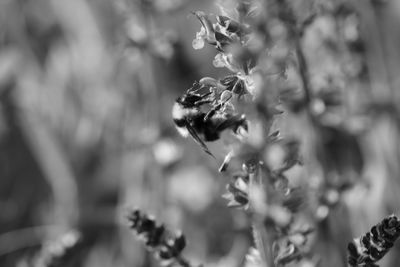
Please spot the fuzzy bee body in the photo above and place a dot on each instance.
(180, 115)
(207, 129)
(191, 120)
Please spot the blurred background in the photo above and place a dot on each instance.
(86, 90)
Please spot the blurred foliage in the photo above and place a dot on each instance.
(86, 90)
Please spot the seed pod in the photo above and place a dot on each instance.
(374, 245)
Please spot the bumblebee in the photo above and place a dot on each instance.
(192, 118)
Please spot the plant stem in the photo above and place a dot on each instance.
(262, 238)
(182, 261)
(303, 70)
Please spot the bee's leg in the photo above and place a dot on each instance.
(225, 97)
(202, 102)
(206, 94)
(227, 159)
(195, 87)
(203, 99)
(212, 111)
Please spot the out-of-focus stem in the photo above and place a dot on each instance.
(262, 238)
(27, 237)
(303, 70)
(375, 56)
(55, 167)
(182, 261)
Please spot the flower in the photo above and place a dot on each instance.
(374, 245)
(198, 42)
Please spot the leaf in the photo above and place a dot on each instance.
(223, 39)
(231, 25)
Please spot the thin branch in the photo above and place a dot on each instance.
(303, 70)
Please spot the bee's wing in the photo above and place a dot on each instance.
(198, 140)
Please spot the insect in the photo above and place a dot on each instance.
(192, 117)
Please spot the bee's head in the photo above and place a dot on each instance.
(189, 100)
(186, 108)
(182, 111)
(179, 115)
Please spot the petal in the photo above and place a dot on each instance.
(219, 61)
(198, 44)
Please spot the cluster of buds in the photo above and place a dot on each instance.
(166, 246)
(236, 43)
(221, 94)
(225, 32)
(290, 247)
(238, 191)
(278, 213)
(276, 156)
(373, 246)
